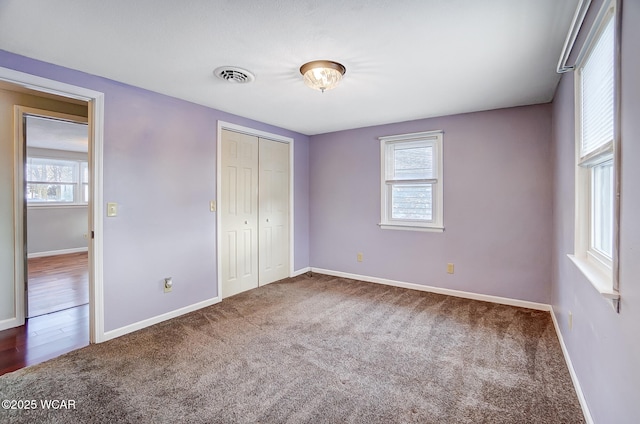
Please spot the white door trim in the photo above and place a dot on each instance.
(95, 100)
(263, 134)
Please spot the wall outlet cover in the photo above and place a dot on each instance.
(112, 209)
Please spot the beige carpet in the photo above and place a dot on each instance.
(315, 350)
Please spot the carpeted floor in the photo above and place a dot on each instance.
(315, 350)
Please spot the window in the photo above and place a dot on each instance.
(56, 181)
(595, 81)
(601, 235)
(411, 181)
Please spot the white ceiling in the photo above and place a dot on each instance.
(405, 59)
(54, 134)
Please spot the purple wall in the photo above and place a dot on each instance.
(508, 175)
(497, 205)
(160, 167)
(301, 198)
(604, 347)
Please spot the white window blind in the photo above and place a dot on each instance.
(597, 90)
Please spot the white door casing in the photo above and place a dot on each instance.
(95, 102)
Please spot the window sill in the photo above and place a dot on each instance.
(598, 279)
(56, 205)
(411, 228)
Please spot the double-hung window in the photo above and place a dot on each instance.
(411, 181)
(595, 83)
(54, 181)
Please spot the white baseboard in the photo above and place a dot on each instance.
(457, 293)
(57, 252)
(300, 271)
(108, 335)
(486, 298)
(439, 290)
(572, 372)
(10, 323)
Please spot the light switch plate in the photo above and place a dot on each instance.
(112, 209)
(212, 206)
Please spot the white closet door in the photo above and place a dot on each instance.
(273, 211)
(239, 208)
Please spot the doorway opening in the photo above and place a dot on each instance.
(26, 338)
(56, 182)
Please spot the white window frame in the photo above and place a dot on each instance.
(436, 224)
(79, 184)
(599, 269)
(82, 184)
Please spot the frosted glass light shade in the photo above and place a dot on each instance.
(322, 74)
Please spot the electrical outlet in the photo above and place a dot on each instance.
(168, 284)
(449, 268)
(570, 320)
(360, 257)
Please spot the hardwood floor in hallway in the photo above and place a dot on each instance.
(58, 282)
(44, 337)
(58, 313)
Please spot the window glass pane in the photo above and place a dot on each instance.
(49, 192)
(602, 208)
(51, 170)
(85, 193)
(412, 163)
(412, 201)
(597, 93)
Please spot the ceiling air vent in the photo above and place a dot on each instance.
(234, 74)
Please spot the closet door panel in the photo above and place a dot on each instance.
(239, 209)
(273, 211)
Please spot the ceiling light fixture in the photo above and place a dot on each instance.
(322, 74)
